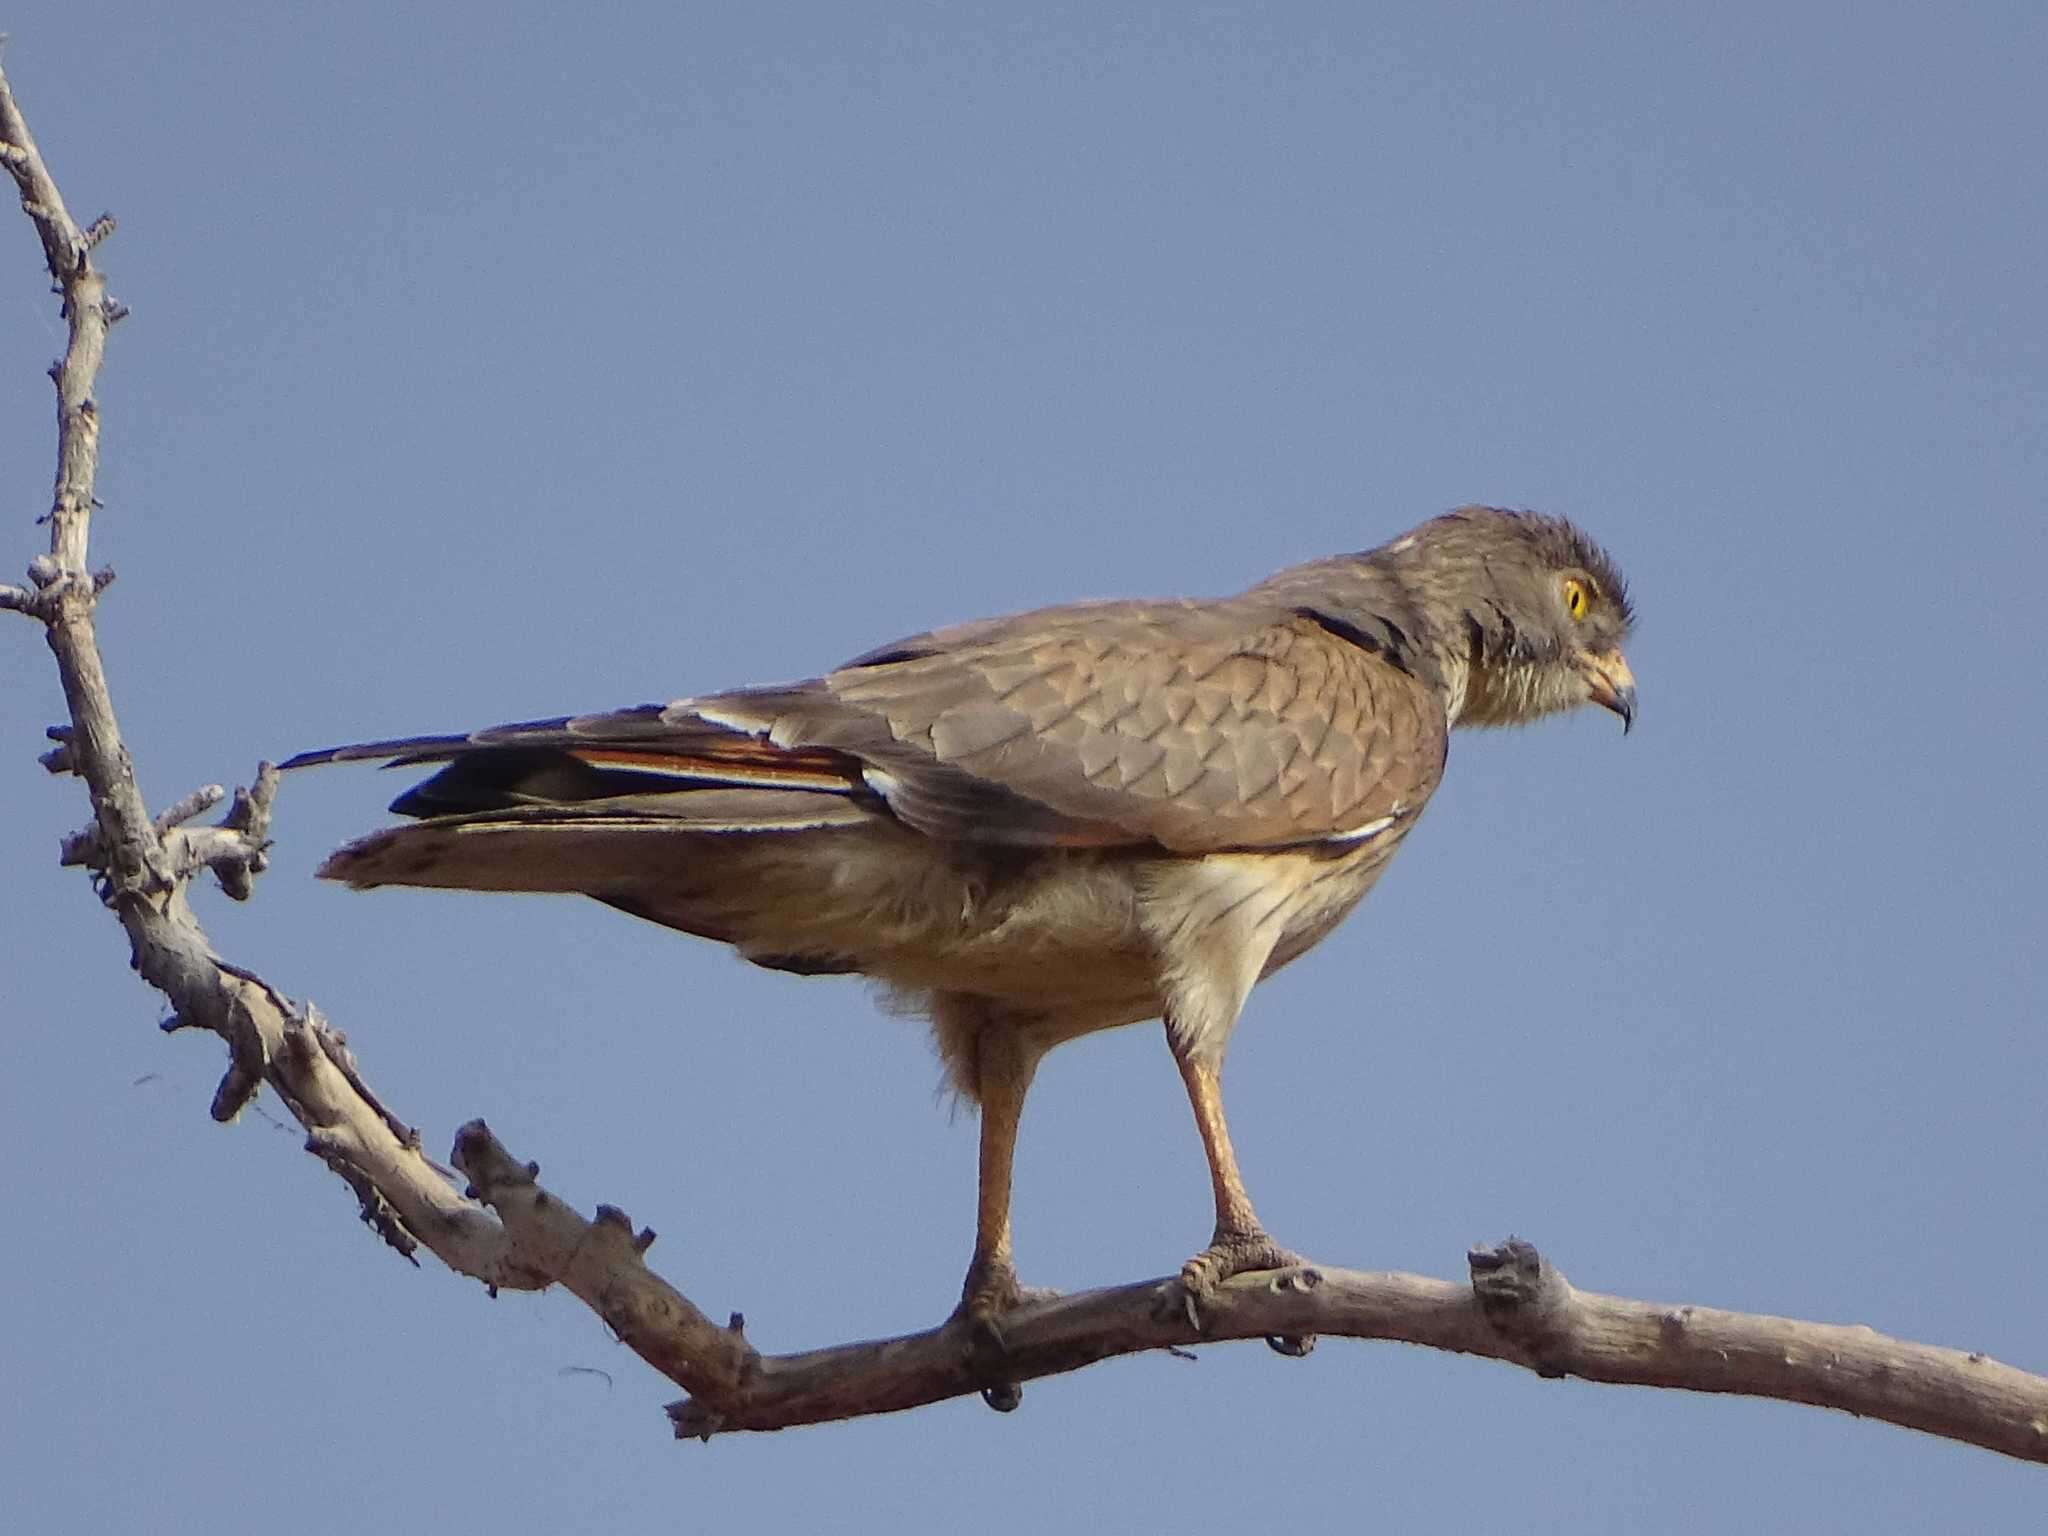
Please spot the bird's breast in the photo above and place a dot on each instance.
(1325, 893)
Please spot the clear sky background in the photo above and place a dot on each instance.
(493, 361)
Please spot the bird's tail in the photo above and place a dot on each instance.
(589, 804)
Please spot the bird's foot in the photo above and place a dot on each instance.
(1233, 1252)
(990, 1294)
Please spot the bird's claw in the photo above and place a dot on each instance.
(1231, 1253)
(990, 1294)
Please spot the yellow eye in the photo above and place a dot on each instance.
(1576, 599)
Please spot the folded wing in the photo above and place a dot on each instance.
(1188, 727)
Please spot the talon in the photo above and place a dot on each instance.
(980, 1314)
(990, 1294)
(1231, 1253)
(990, 1290)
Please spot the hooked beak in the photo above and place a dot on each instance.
(1610, 684)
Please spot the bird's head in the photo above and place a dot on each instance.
(1529, 615)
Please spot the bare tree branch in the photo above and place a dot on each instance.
(142, 864)
(509, 1232)
(1517, 1309)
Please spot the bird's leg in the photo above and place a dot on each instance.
(1240, 1243)
(1004, 1066)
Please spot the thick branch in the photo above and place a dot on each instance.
(1517, 1309)
(601, 1262)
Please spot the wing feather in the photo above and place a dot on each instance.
(1192, 726)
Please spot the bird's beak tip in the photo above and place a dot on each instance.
(1611, 685)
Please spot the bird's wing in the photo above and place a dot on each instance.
(1191, 726)
(1194, 726)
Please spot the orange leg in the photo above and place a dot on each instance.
(1005, 1064)
(1240, 1243)
(1204, 1080)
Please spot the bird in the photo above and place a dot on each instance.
(1035, 827)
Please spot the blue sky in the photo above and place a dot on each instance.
(486, 363)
